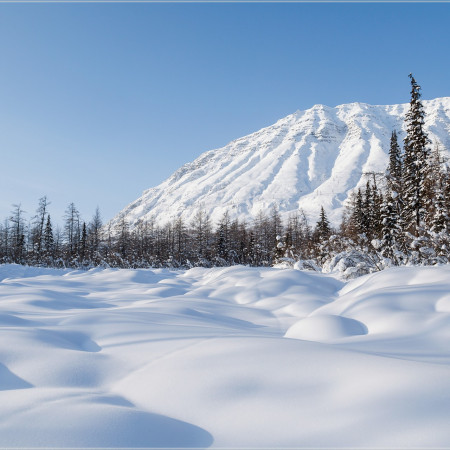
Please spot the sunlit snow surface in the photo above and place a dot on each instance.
(227, 357)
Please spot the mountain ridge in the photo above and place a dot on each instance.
(307, 159)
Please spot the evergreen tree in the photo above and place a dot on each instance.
(394, 171)
(223, 237)
(83, 243)
(440, 218)
(4, 242)
(377, 198)
(369, 212)
(322, 234)
(439, 221)
(415, 163)
(435, 188)
(222, 248)
(391, 231)
(48, 238)
(358, 218)
(392, 209)
(323, 229)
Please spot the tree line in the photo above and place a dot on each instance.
(397, 219)
(81, 244)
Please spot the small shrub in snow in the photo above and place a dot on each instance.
(286, 264)
(307, 264)
(350, 264)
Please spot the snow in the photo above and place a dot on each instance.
(325, 328)
(224, 357)
(306, 160)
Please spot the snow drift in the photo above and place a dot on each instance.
(225, 357)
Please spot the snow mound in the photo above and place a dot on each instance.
(99, 421)
(325, 328)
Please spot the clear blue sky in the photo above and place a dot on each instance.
(101, 101)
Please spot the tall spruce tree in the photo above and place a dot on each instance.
(416, 165)
(392, 215)
(394, 171)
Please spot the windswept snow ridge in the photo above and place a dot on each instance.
(226, 357)
(308, 159)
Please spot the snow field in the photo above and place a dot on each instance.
(224, 357)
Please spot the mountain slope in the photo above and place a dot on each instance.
(308, 159)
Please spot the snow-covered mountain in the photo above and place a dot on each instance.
(308, 159)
